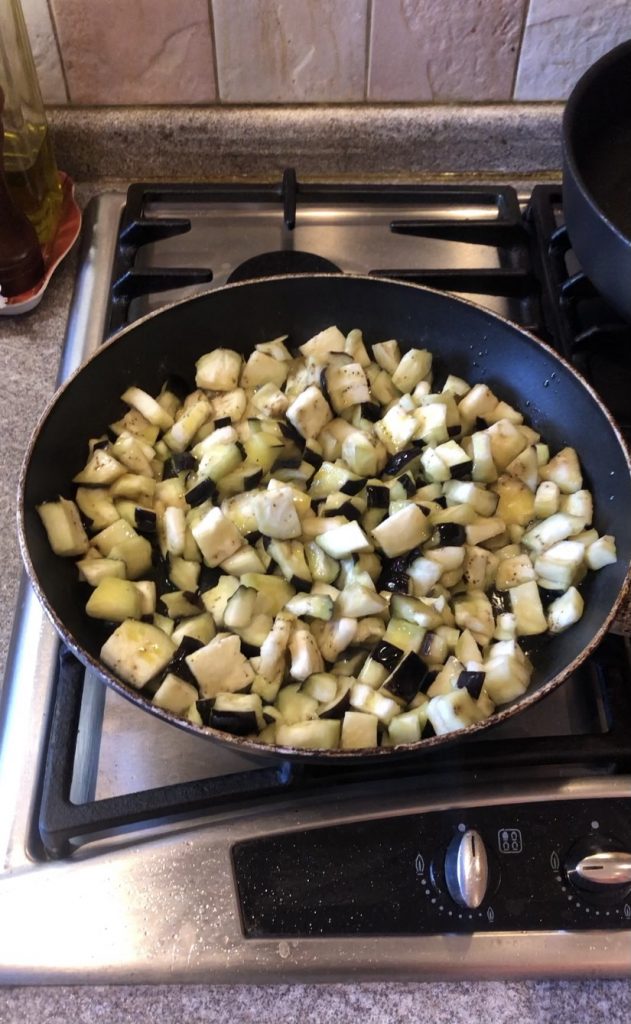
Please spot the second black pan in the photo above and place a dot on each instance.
(465, 339)
(597, 175)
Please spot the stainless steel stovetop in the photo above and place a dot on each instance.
(326, 879)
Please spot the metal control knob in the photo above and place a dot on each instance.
(599, 872)
(467, 869)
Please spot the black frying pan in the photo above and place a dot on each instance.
(466, 340)
(597, 175)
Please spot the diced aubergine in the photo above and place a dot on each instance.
(405, 679)
(344, 540)
(276, 514)
(216, 536)
(218, 370)
(220, 666)
(114, 600)
(309, 412)
(136, 652)
(318, 734)
(344, 552)
(359, 730)
(402, 532)
(64, 528)
(174, 694)
(237, 713)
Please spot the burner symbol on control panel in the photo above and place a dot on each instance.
(509, 840)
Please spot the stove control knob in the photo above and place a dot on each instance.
(467, 869)
(600, 870)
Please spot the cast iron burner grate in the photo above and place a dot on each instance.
(587, 331)
(480, 215)
(544, 293)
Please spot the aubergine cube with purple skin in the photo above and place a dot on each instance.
(387, 654)
(205, 707)
(179, 462)
(252, 477)
(311, 456)
(395, 582)
(289, 431)
(178, 665)
(401, 460)
(500, 600)
(460, 470)
(404, 681)
(340, 704)
(371, 411)
(145, 520)
(393, 576)
(346, 509)
(427, 679)
(352, 486)
(451, 535)
(161, 571)
(203, 491)
(238, 713)
(472, 682)
(287, 462)
(433, 647)
(406, 483)
(377, 496)
(344, 384)
(238, 723)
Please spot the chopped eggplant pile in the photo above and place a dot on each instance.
(322, 549)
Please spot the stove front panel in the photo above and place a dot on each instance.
(167, 908)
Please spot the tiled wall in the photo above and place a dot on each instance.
(119, 52)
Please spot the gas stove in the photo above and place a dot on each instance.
(133, 851)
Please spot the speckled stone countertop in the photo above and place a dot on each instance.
(110, 148)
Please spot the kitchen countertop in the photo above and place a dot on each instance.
(30, 346)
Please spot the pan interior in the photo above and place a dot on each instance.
(601, 135)
(465, 339)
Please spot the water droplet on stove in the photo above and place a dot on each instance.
(546, 383)
(283, 950)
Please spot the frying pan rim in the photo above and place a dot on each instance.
(571, 115)
(246, 745)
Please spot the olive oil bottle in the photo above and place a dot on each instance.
(32, 177)
(29, 161)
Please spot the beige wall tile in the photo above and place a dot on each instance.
(136, 51)
(284, 51)
(444, 50)
(45, 52)
(562, 39)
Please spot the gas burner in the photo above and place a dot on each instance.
(282, 261)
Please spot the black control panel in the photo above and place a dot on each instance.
(534, 866)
